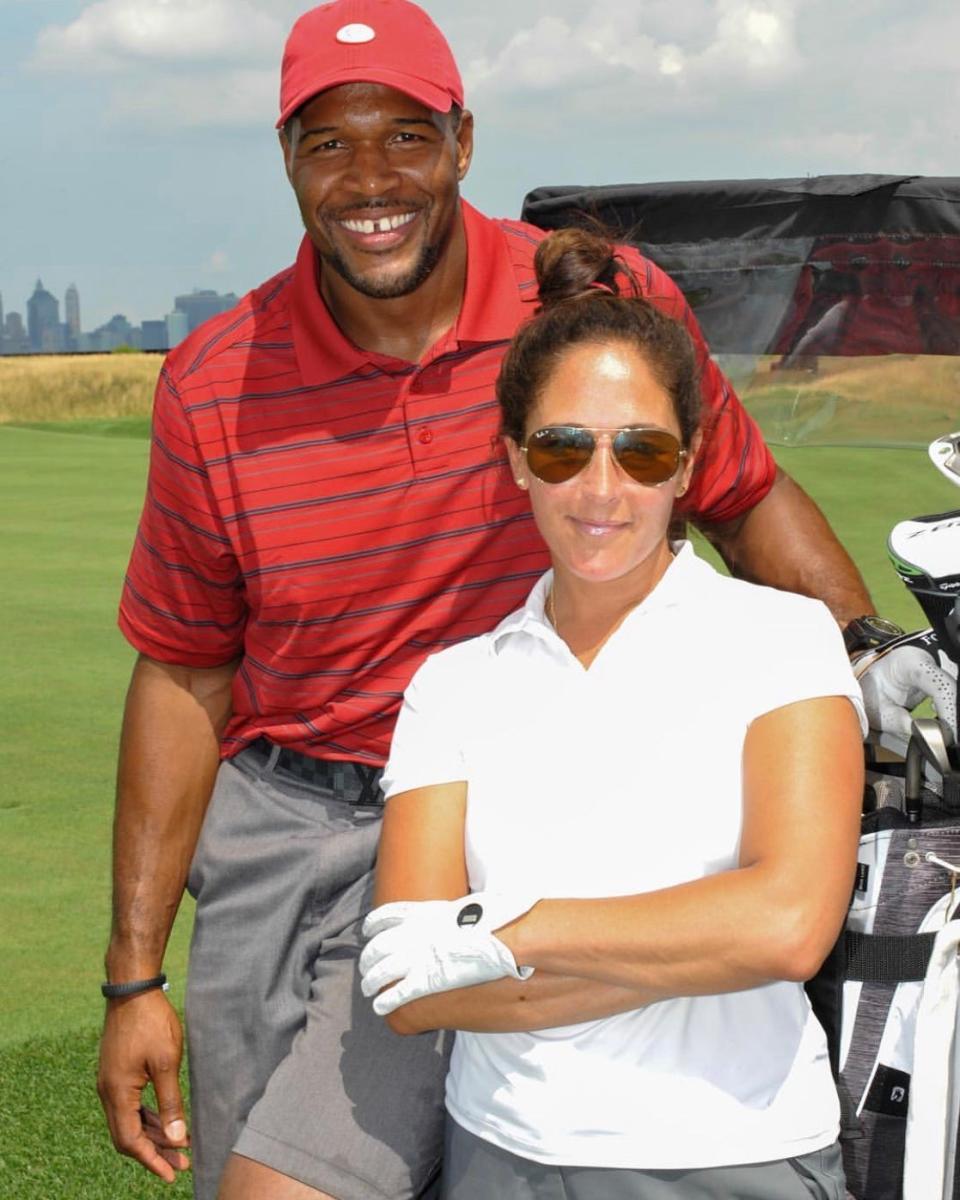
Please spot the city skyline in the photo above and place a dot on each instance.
(42, 331)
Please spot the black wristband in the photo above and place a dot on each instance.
(114, 991)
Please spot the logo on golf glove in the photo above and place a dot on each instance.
(420, 947)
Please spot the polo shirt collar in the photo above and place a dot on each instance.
(685, 574)
(492, 306)
(531, 618)
(682, 578)
(323, 351)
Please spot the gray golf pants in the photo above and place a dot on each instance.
(477, 1170)
(288, 1064)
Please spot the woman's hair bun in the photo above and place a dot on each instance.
(569, 262)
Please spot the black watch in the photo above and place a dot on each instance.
(866, 633)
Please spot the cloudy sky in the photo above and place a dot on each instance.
(138, 158)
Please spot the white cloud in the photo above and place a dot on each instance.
(187, 63)
(217, 263)
(113, 34)
(755, 35)
(671, 60)
(555, 53)
(614, 44)
(802, 77)
(243, 98)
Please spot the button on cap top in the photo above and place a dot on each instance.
(355, 35)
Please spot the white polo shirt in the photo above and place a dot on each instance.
(615, 780)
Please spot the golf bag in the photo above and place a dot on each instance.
(889, 996)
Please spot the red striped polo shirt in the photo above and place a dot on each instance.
(329, 516)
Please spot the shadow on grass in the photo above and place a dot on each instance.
(53, 1137)
(134, 427)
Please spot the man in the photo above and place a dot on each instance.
(328, 502)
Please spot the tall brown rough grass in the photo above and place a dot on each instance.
(893, 400)
(66, 388)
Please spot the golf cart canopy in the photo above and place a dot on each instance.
(796, 283)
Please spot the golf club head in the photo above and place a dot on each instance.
(945, 456)
(934, 740)
(925, 553)
(930, 745)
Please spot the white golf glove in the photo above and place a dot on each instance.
(427, 946)
(896, 676)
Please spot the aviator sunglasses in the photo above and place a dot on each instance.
(558, 452)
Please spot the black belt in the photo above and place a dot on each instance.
(350, 782)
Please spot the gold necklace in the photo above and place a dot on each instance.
(550, 613)
(550, 610)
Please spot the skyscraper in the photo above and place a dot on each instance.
(71, 311)
(15, 340)
(177, 327)
(201, 304)
(43, 320)
(153, 335)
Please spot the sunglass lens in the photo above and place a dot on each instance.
(647, 455)
(556, 455)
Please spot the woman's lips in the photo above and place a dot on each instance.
(597, 529)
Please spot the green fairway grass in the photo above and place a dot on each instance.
(136, 427)
(53, 1138)
(68, 510)
(68, 507)
(864, 493)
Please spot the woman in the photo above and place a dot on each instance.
(622, 827)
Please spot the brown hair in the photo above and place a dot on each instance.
(589, 295)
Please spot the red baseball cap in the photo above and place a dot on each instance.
(392, 42)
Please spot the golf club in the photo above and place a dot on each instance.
(930, 742)
(925, 552)
(945, 455)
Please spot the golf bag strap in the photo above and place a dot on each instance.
(866, 958)
(887, 958)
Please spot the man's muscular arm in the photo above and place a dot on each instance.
(784, 541)
(169, 752)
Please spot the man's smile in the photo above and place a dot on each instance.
(373, 230)
(379, 225)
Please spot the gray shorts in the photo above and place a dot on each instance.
(288, 1064)
(478, 1170)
